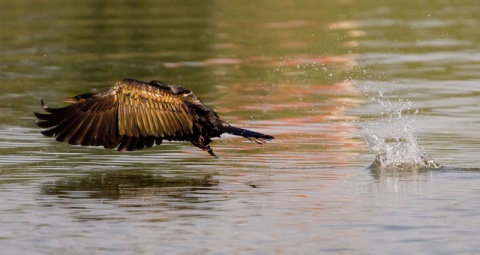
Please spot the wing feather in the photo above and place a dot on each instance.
(149, 123)
(142, 129)
(124, 143)
(171, 123)
(186, 122)
(61, 124)
(131, 115)
(72, 131)
(89, 130)
(157, 118)
(149, 141)
(84, 123)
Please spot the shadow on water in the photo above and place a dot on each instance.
(114, 196)
(127, 185)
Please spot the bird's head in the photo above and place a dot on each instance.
(77, 99)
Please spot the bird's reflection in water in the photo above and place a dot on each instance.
(125, 185)
(98, 192)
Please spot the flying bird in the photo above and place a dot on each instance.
(134, 114)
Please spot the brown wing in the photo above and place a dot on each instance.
(145, 110)
(130, 115)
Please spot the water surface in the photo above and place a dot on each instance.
(373, 106)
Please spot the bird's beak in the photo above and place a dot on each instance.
(70, 100)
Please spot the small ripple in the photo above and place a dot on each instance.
(20, 159)
(15, 137)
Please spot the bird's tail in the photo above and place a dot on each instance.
(250, 135)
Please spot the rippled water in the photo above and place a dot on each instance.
(374, 107)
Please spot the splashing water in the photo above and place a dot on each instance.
(392, 137)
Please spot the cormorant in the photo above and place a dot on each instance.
(134, 114)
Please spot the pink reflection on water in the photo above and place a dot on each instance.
(316, 130)
(263, 60)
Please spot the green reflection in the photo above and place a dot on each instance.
(272, 65)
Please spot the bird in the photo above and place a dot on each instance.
(133, 114)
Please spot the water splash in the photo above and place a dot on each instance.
(392, 138)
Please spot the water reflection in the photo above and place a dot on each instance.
(397, 172)
(122, 195)
(290, 68)
(263, 61)
(127, 185)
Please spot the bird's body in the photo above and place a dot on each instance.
(133, 114)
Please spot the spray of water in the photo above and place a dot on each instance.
(391, 137)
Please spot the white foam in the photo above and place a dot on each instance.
(392, 136)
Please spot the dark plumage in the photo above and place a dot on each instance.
(133, 114)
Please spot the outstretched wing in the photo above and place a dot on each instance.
(145, 110)
(131, 115)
